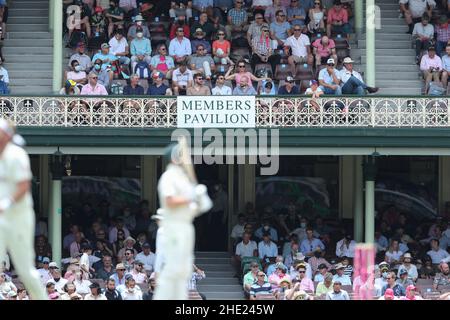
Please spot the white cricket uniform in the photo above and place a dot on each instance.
(179, 236)
(17, 224)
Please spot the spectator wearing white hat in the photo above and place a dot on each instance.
(129, 243)
(300, 258)
(119, 276)
(352, 81)
(337, 293)
(410, 268)
(289, 87)
(138, 23)
(44, 272)
(340, 276)
(330, 79)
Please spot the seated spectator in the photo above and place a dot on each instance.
(301, 49)
(133, 89)
(398, 289)
(245, 249)
(115, 16)
(81, 284)
(323, 49)
(280, 30)
(198, 88)
(241, 73)
(337, 293)
(410, 268)
(423, 34)
(381, 241)
(310, 244)
(83, 59)
(431, 66)
(137, 272)
(244, 88)
(260, 287)
(443, 35)
(352, 81)
(251, 277)
(76, 75)
(427, 270)
(105, 56)
(337, 20)
(182, 78)
(306, 283)
(198, 38)
(315, 92)
(119, 276)
(267, 88)
(93, 87)
(222, 90)
(442, 279)
(254, 30)
(295, 293)
(317, 261)
(111, 292)
(79, 19)
(206, 26)
(70, 88)
(69, 292)
(183, 7)
(280, 274)
(321, 271)
(267, 249)
(221, 49)
(140, 49)
(388, 295)
(317, 16)
(138, 24)
(272, 267)
(98, 23)
(261, 5)
(329, 79)
(289, 88)
(346, 247)
(162, 62)
(393, 254)
(341, 276)
(119, 47)
(415, 10)
(95, 293)
(106, 270)
(180, 47)
(129, 7)
(348, 268)
(105, 75)
(271, 11)
(180, 23)
(158, 88)
(201, 62)
(411, 293)
(147, 257)
(326, 285)
(236, 19)
(266, 227)
(296, 14)
(436, 253)
(262, 51)
(403, 279)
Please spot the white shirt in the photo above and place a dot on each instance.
(345, 279)
(60, 284)
(45, 275)
(342, 249)
(117, 46)
(89, 296)
(325, 76)
(84, 262)
(424, 31)
(246, 250)
(437, 256)
(342, 295)
(82, 287)
(135, 295)
(5, 75)
(418, 7)
(148, 261)
(261, 3)
(139, 277)
(177, 48)
(310, 92)
(221, 91)
(182, 78)
(393, 256)
(298, 45)
(237, 231)
(344, 75)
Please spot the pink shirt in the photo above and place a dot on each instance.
(97, 90)
(307, 284)
(239, 75)
(427, 62)
(275, 279)
(334, 16)
(323, 51)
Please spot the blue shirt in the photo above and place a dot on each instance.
(153, 90)
(140, 46)
(344, 279)
(282, 90)
(103, 57)
(130, 91)
(382, 242)
(310, 246)
(272, 231)
(280, 29)
(202, 3)
(398, 290)
(298, 11)
(267, 250)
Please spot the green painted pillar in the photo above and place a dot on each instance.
(57, 45)
(149, 180)
(370, 43)
(359, 18)
(369, 177)
(55, 212)
(358, 186)
(51, 12)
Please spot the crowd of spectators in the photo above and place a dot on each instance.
(290, 255)
(218, 47)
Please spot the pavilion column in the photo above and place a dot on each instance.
(370, 42)
(57, 23)
(358, 186)
(55, 212)
(370, 171)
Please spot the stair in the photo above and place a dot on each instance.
(396, 71)
(28, 48)
(219, 283)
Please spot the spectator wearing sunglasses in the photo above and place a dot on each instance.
(199, 88)
(93, 87)
(261, 286)
(280, 29)
(221, 89)
(262, 50)
(254, 30)
(270, 13)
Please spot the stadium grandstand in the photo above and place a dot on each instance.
(353, 93)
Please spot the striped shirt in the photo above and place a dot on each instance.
(261, 45)
(192, 284)
(443, 34)
(265, 288)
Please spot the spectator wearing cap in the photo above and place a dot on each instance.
(180, 46)
(198, 38)
(388, 295)
(137, 272)
(340, 276)
(337, 20)
(111, 292)
(98, 22)
(162, 62)
(267, 88)
(296, 293)
(138, 24)
(329, 79)
(398, 289)
(119, 47)
(322, 271)
(105, 56)
(443, 35)
(95, 292)
(352, 81)
(410, 268)
(261, 286)
(310, 244)
(158, 88)
(442, 279)
(279, 274)
(130, 291)
(83, 59)
(236, 19)
(299, 258)
(415, 10)
(44, 272)
(119, 276)
(201, 62)
(423, 35)
(182, 78)
(129, 245)
(431, 66)
(140, 48)
(326, 285)
(147, 257)
(324, 48)
(317, 261)
(289, 88)
(220, 89)
(199, 88)
(93, 87)
(115, 16)
(262, 51)
(106, 270)
(203, 24)
(337, 293)
(306, 283)
(403, 278)
(383, 272)
(133, 89)
(411, 293)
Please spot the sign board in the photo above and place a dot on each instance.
(216, 111)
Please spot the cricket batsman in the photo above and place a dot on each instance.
(17, 219)
(181, 199)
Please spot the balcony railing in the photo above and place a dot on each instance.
(161, 112)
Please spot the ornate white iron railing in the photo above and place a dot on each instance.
(161, 112)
